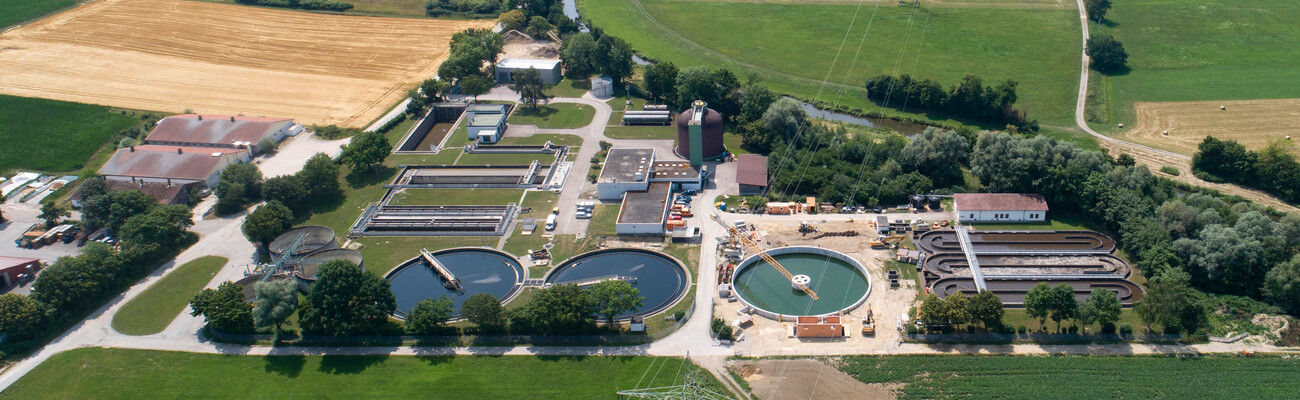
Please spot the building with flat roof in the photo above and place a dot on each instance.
(224, 131)
(751, 173)
(644, 212)
(508, 67)
(171, 165)
(624, 170)
(17, 270)
(999, 207)
(486, 122)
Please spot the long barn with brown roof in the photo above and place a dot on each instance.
(999, 207)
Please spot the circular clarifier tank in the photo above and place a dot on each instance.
(841, 283)
(661, 279)
(479, 270)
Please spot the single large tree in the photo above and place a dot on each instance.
(531, 87)
(660, 81)
(754, 101)
(20, 316)
(958, 306)
(785, 117)
(934, 310)
(367, 150)
(266, 222)
(224, 308)
(1096, 9)
(274, 301)
(1102, 307)
(320, 176)
(484, 310)
(239, 185)
(613, 298)
(1171, 302)
(576, 53)
(986, 307)
(51, 212)
(1106, 53)
(347, 300)
(288, 190)
(538, 26)
(1038, 302)
(476, 85)
(613, 57)
(512, 20)
(112, 209)
(560, 309)
(1063, 304)
(429, 316)
(163, 226)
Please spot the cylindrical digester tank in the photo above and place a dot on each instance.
(314, 237)
(710, 131)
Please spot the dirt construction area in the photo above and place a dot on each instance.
(170, 55)
(1250, 122)
(805, 379)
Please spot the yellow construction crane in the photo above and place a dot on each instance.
(755, 248)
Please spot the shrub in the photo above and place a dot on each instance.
(1126, 328)
(677, 316)
(1108, 328)
(723, 330)
(1021, 329)
(1169, 170)
(332, 132)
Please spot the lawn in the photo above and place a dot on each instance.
(1015, 317)
(17, 11)
(1057, 221)
(359, 190)
(540, 203)
(1181, 50)
(1080, 377)
(540, 139)
(553, 116)
(153, 310)
(54, 136)
(604, 219)
(456, 197)
(1039, 48)
(570, 88)
(646, 132)
(101, 373)
(505, 159)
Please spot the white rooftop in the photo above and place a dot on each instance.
(525, 63)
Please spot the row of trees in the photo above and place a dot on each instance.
(1043, 301)
(69, 288)
(588, 53)
(970, 98)
(1273, 168)
(984, 308)
(327, 5)
(347, 300)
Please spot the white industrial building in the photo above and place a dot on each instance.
(548, 69)
(645, 186)
(486, 123)
(999, 207)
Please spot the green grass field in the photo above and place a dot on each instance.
(17, 11)
(646, 132)
(144, 374)
(153, 310)
(1182, 50)
(383, 253)
(1076, 377)
(539, 139)
(457, 197)
(1036, 47)
(570, 88)
(553, 116)
(30, 127)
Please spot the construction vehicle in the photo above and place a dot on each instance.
(886, 242)
(762, 253)
(806, 227)
(869, 323)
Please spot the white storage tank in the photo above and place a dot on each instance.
(602, 86)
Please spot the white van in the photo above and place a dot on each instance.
(550, 222)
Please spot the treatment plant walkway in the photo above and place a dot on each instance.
(1152, 157)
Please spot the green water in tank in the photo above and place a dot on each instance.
(836, 283)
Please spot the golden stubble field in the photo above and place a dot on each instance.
(170, 55)
(1250, 122)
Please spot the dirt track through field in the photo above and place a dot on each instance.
(1250, 122)
(169, 55)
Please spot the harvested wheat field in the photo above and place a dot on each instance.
(170, 55)
(1251, 122)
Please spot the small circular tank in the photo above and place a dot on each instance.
(306, 271)
(314, 237)
(710, 129)
(248, 283)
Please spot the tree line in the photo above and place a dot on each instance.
(1272, 169)
(347, 300)
(149, 235)
(326, 5)
(969, 98)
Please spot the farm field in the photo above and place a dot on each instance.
(1194, 50)
(792, 45)
(1251, 122)
(28, 126)
(100, 373)
(1075, 377)
(17, 11)
(172, 55)
(153, 310)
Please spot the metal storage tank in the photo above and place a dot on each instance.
(305, 273)
(705, 126)
(315, 238)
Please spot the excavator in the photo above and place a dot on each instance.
(806, 227)
(753, 247)
(886, 242)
